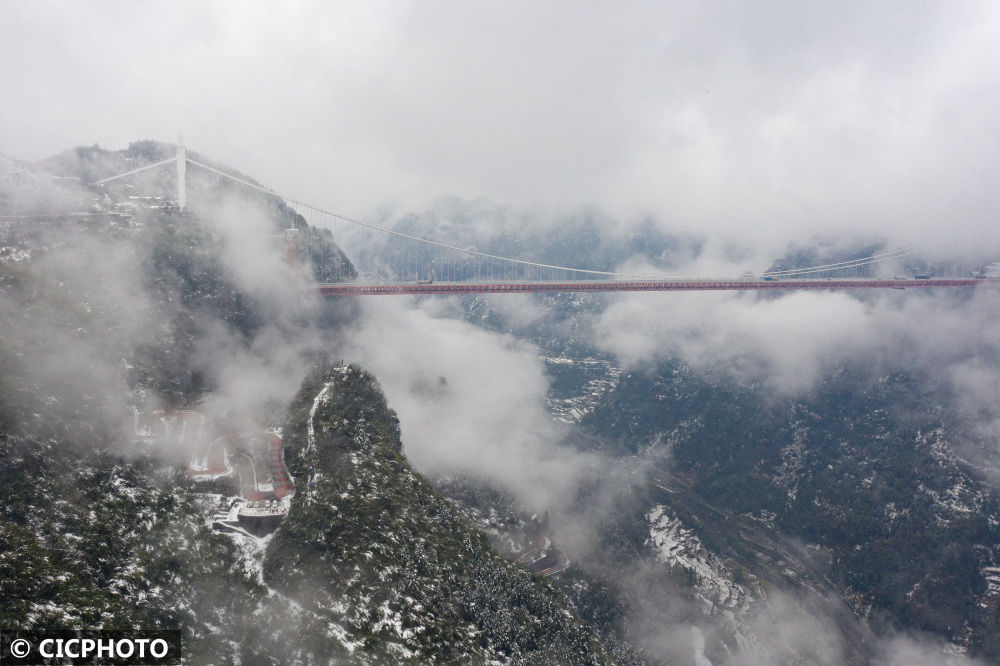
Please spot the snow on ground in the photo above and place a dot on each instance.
(310, 452)
(992, 576)
(14, 255)
(250, 551)
(679, 547)
(573, 409)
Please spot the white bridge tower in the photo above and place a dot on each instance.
(181, 173)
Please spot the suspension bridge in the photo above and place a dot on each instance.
(411, 264)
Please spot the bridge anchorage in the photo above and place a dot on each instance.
(421, 266)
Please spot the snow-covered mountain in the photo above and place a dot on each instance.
(131, 331)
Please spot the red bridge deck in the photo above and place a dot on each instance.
(398, 288)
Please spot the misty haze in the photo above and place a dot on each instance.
(501, 333)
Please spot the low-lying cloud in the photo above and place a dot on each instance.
(786, 340)
(789, 341)
(470, 402)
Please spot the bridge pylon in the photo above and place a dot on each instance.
(293, 251)
(181, 173)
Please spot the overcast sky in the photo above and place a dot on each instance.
(777, 117)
